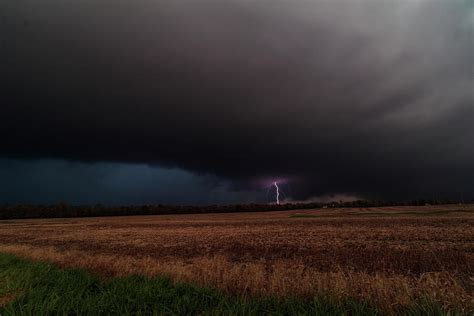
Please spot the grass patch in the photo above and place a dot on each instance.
(38, 288)
(43, 289)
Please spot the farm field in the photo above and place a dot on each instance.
(391, 257)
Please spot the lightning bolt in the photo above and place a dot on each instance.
(277, 193)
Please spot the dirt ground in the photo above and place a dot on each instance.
(409, 251)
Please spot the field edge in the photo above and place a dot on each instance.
(38, 287)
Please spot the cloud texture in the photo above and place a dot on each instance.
(366, 98)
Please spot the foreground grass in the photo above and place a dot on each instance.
(38, 288)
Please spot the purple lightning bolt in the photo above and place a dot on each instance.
(277, 192)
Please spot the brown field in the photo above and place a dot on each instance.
(389, 256)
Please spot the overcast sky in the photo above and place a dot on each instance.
(148, 101)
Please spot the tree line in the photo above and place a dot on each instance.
(60, 210)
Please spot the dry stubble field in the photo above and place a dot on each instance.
(389, 256)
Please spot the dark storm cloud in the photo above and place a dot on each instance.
(372, 98)
(51, 181)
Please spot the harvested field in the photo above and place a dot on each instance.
(391, 256)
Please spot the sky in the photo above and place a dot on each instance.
(210, 102)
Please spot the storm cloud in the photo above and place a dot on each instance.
(365, 98)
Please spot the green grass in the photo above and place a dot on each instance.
(38, 288)
(43, 289)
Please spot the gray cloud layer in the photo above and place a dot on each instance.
(373, 98)
(52, 181)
